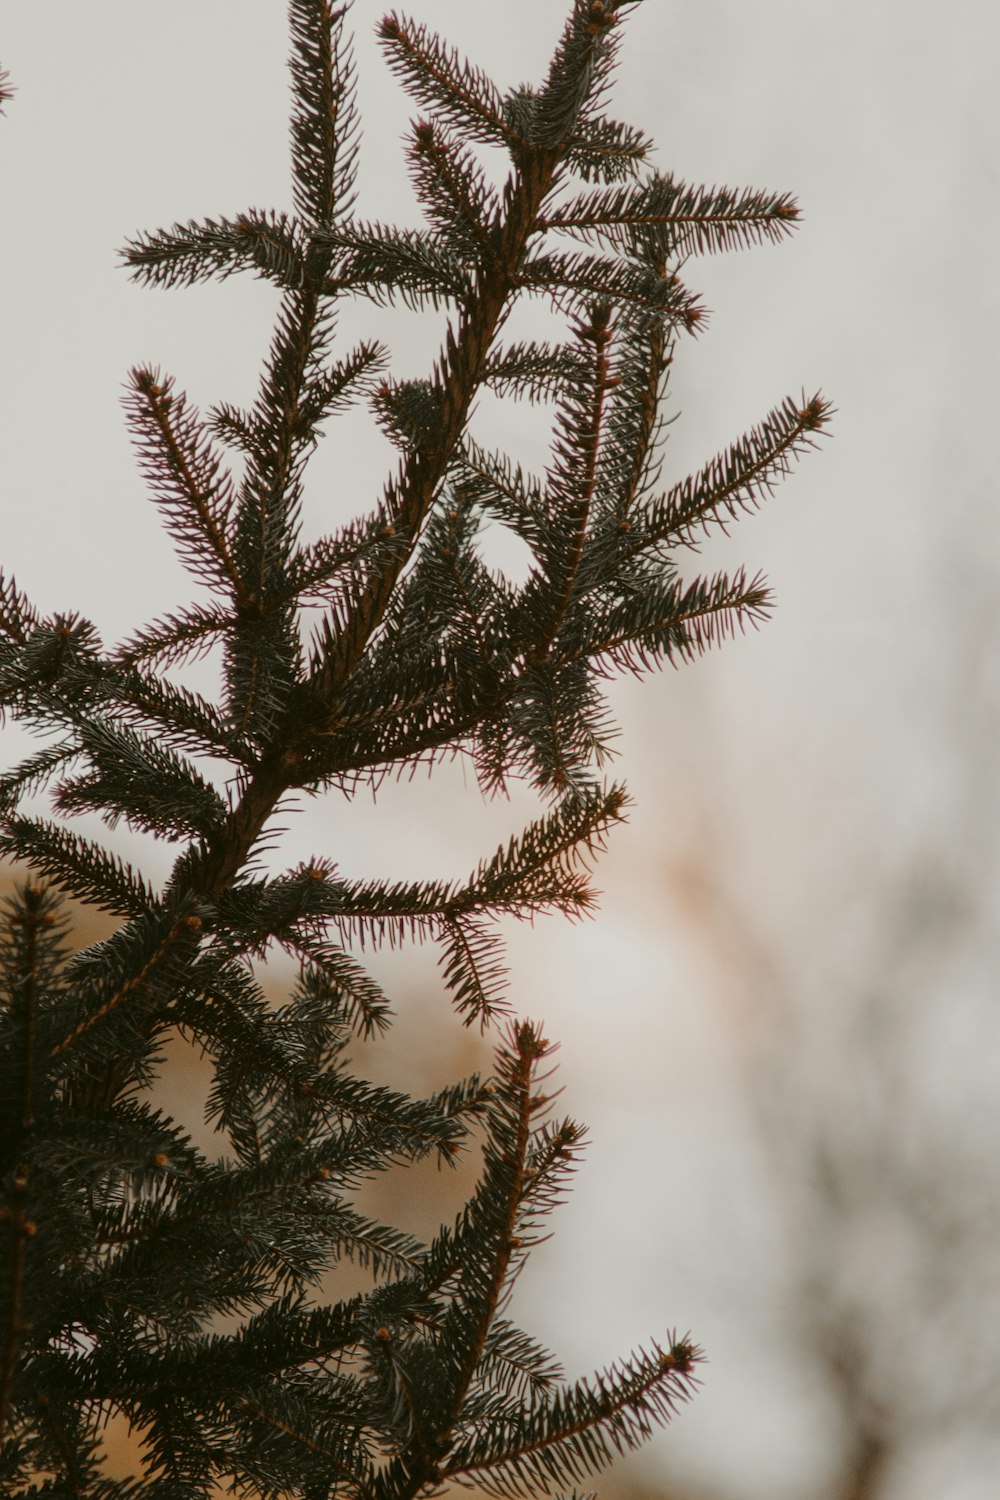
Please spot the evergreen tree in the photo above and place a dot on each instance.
(123, 1245)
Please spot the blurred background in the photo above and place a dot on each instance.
(781, 1028)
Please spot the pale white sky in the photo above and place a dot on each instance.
(824, 747)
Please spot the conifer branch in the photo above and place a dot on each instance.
(123, 1243)
(439, 79)
(580, 69)
(572, 478)
(571, 280)
(79, 866)
(496, 484)
(35, 773)
(739, 480)
(473, 968)
(134, 986)
(607, 150)
(484, 1271)
(178, 638)
(183, 473)
(325, 126)
(582, 1428)
(17, 617)
(688, 220)
(384, 264)
(453, 191)
(272, 244)
(179, 717)
(534, 371)
(407, 500)
(149, 785)
(680, 623)
(332, 973)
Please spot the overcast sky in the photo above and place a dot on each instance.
(882, 548)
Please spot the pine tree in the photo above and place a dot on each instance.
(123, 1244)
